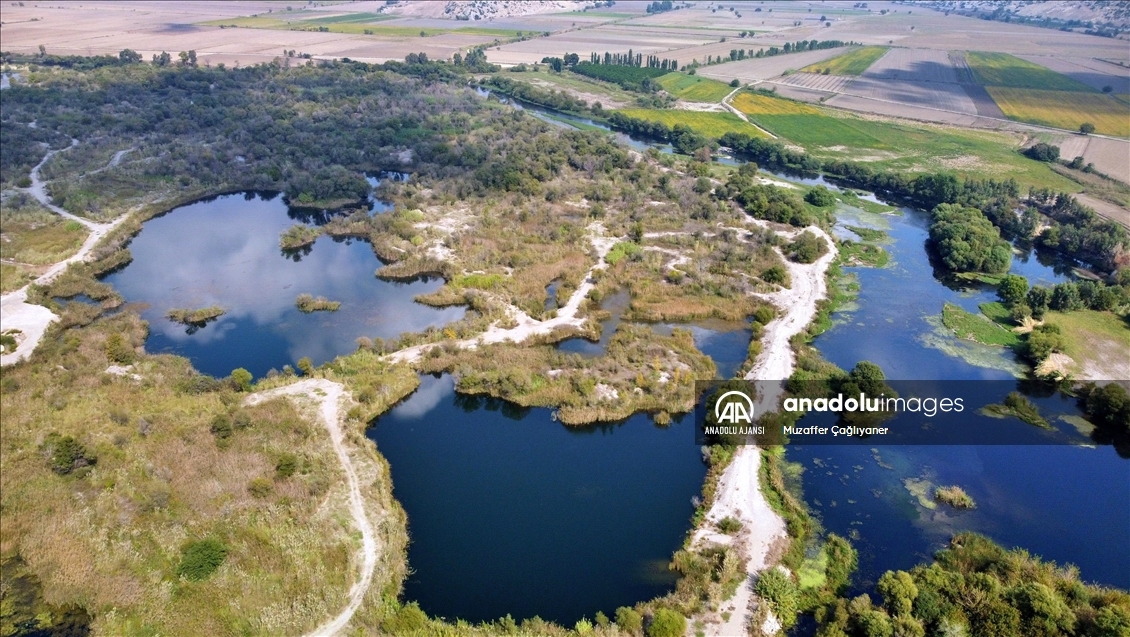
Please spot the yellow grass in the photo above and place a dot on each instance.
(1064, 109)
(851, 63)
(757, 104)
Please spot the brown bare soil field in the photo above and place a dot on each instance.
(1106, 209)
(611, 38)
(96, 28)
(1093, 73)
(764, 68)
(942, 95)
(914, 65)
(1111, 157)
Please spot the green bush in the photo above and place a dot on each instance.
(407, 619)
(286, 465)
(629, 620)
(667, 623)
(241, 378)
(119, 350)
(222, 426)
(807, 248)
(820, 197)
(259, 487)
(782, 594)
(67, 454)
(729, 525)
(200, 559)
(775, 274)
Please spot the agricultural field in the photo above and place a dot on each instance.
(752, 70)
(1063, 109)
(711, 124)
(851, 63)
(355, 24)
(694, 88)
(1094, 73)
(817, 82)
(1002, 69)
(890, 144)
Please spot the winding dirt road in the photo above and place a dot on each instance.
(15, 311)
(329, 395)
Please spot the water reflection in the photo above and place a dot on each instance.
(225, 252)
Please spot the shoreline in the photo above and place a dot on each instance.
(738, 492)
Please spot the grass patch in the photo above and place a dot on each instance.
(478, 281)
(622, 250)
(1002, 69)
(712, 125)
(33, 235)
(307, 304)
(996, 312)
(1096, 340)
(574, 82)
(976, 328)
(299, 236)
(955, 497)
(13, 277)
(1063, 109)
(694, 88)
(813, 572)
(898, 146)
(868, 234)
(853, 253)
(850, 63)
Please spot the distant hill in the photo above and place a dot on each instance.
(482, 9)
(1094, 17)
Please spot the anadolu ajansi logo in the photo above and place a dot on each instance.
(738, 409)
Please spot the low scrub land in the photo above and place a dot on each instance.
(976, 328)
(851, 63)
(196, 317)
(308, 304)
(1062, 109)
(1002, 69)
(710, 124)
(32, 235)
(694, 88)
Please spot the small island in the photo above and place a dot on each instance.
(954, 496)
(298, 236)
(197, 317)
(307, 303)
(1017, 405)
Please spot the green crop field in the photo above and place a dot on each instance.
(1063, 109)
(1002, 69)
(351, 17)
(694, 88)
(850, 63)
(899, 146)
(710, 124)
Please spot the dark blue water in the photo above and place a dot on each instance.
(225, 251)
(513, 513)
(1068, 504)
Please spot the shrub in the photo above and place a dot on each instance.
(735, 83)
(67, 454)
(259, 487)
(775, 274)
(306, 366)
(119, 350)
(241, 379)
(1043, 152)
(807, 248)
(286, 465)
(729, 525)
(667, 623)
(200, 559)
(408, 618)
(1044, 340)
(222, 426)
(629, 620)
(820, 197)
(781, 592)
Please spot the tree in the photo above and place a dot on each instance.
(162, 59)
(629, 620)
(667, 623)
(306, 366)
(735, 83)
(241, 378)
(1038, 298)
(1012, 289)
(1086, 128)
(820, 197)
(1065, 298)
(898, 591)
(1043, 152)
(129, 56)
(1044, 340)
(967, 241)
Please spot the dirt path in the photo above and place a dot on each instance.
(739, 490)
(329, 396)
(527, 326)
(32, 320)
(742, 116)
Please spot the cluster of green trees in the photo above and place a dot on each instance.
(681, 137)
(1068, 296)
(557, 100)
(475, 62)
(628, 59)
(967, 241)
(631, 78)
(1075, 230)
(763, 201)
(976, 587)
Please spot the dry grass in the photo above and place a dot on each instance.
(1063, 109)
(851, 63)
(111, 539)
(33, 235)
